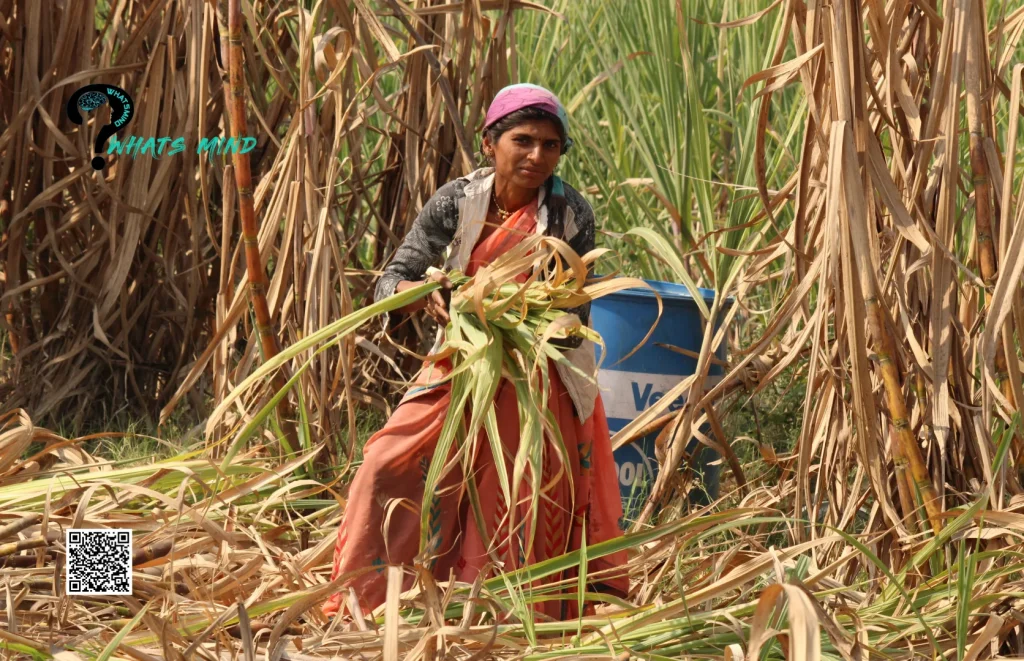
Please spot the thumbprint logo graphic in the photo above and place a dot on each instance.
(91, 97)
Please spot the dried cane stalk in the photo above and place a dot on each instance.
(984, 210)
(906, 448)
(247, 214)
(905, 451)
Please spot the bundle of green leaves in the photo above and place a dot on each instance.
(504, 329)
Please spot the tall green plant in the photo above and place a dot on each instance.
(665, 126)
(674, 153)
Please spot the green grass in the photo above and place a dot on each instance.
(771, 418)
(138, 447)
(143, 443)
(368, 421)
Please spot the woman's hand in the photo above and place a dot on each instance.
(436, 304)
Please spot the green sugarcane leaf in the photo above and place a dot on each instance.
(964, 585)
(305, 433)
(527, 459)
(486, 371)
(115, 642)
(484, 382)
(549, 424)
(337, 330)
(24, 649)
(498, 452)
(269, 408)
(459, 395)
(521, 602)
(663, 249)
(581, 586)
(938, 542)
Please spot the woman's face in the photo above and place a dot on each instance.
(526, 154)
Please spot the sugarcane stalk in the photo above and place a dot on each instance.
(905, 449)
(19, 525)
(984, 211)
(10, 314)
(23, 561)
(152, 552)
(247, 214)
(904, 482)
(22, 545)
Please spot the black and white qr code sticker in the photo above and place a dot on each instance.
(99, 561)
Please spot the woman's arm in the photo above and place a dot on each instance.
(432, 232)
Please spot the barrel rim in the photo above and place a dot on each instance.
(672, 291)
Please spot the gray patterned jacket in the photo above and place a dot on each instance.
(451, 223)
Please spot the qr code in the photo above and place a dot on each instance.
(99, 561)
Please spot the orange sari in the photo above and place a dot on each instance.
(395, 465)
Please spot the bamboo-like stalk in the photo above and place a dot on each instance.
(19, 525)
(247, 215)
(906, 448)
(983, 207)
(904, 481)
(21, 545)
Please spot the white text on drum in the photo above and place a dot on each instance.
(647, 398)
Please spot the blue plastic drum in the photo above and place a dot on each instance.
(632, 386)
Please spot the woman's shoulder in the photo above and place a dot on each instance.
(456, 188)
(580, 206)
(451, 191)
(443, 206)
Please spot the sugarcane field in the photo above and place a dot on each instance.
(511, 329)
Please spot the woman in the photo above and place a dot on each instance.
(476, 218)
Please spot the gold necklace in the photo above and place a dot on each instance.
(501, 212)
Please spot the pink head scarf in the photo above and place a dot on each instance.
(523, 95)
